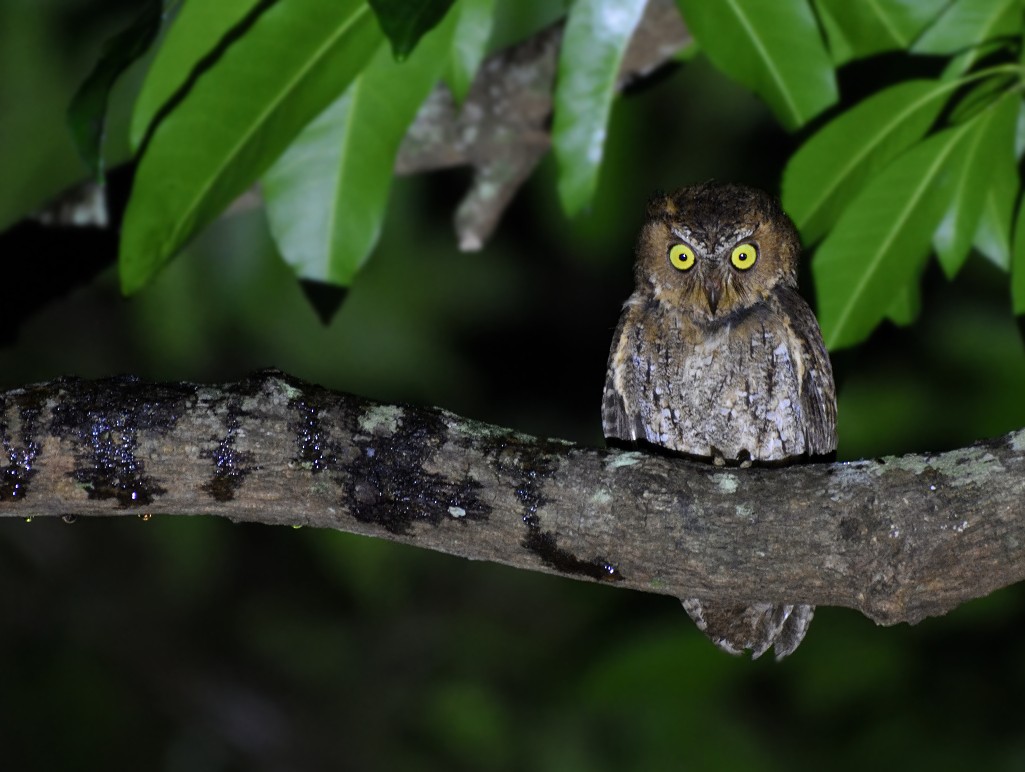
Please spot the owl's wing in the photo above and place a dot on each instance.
(620, 418)
(818, 393)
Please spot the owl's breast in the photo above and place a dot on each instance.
(730, 391)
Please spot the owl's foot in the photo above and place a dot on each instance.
(756, 627)
(742, 459)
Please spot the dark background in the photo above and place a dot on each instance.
(196, 644)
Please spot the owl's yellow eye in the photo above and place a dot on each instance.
(744, 256)
(681, 256)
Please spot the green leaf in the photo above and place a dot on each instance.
(841, 47)
(471, 39)
(593, 45)
(990, 137)
(993, 237)
(197, 31)
(87, 114)
(858, 29)
(237, 119)
(967, 24)
(961, 63)
(1018, 267)
(906, 305)
(405, 21)
(327, 194)
(830, 168)
(882, 239)
(771, 46)
(980, 97)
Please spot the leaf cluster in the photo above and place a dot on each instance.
(919, 166)
(312, 98)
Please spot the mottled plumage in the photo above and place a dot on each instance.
(718, 357)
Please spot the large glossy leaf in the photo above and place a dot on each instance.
(830, 168)
(236, 120)
(990, 138)
(593, 45)
(197, 30)
(865, 27)
(882, 240)
(968, 23)
(771, 46)
(326, 196)
(471, 39)
(1018, 266)
(406, 21)
(993, 237)
(907, 304)
(87, 114)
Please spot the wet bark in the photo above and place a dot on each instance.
(899, 538)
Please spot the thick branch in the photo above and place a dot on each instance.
(898, 538)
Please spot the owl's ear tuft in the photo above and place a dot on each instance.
(661, 206)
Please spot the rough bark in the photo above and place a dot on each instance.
(899, 538)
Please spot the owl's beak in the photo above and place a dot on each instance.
(713, 292)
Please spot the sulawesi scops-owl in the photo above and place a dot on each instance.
(718, 358)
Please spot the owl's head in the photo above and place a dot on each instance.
(713, 249)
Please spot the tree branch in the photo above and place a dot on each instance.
(898, 538)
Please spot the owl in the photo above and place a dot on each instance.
(718, 358)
